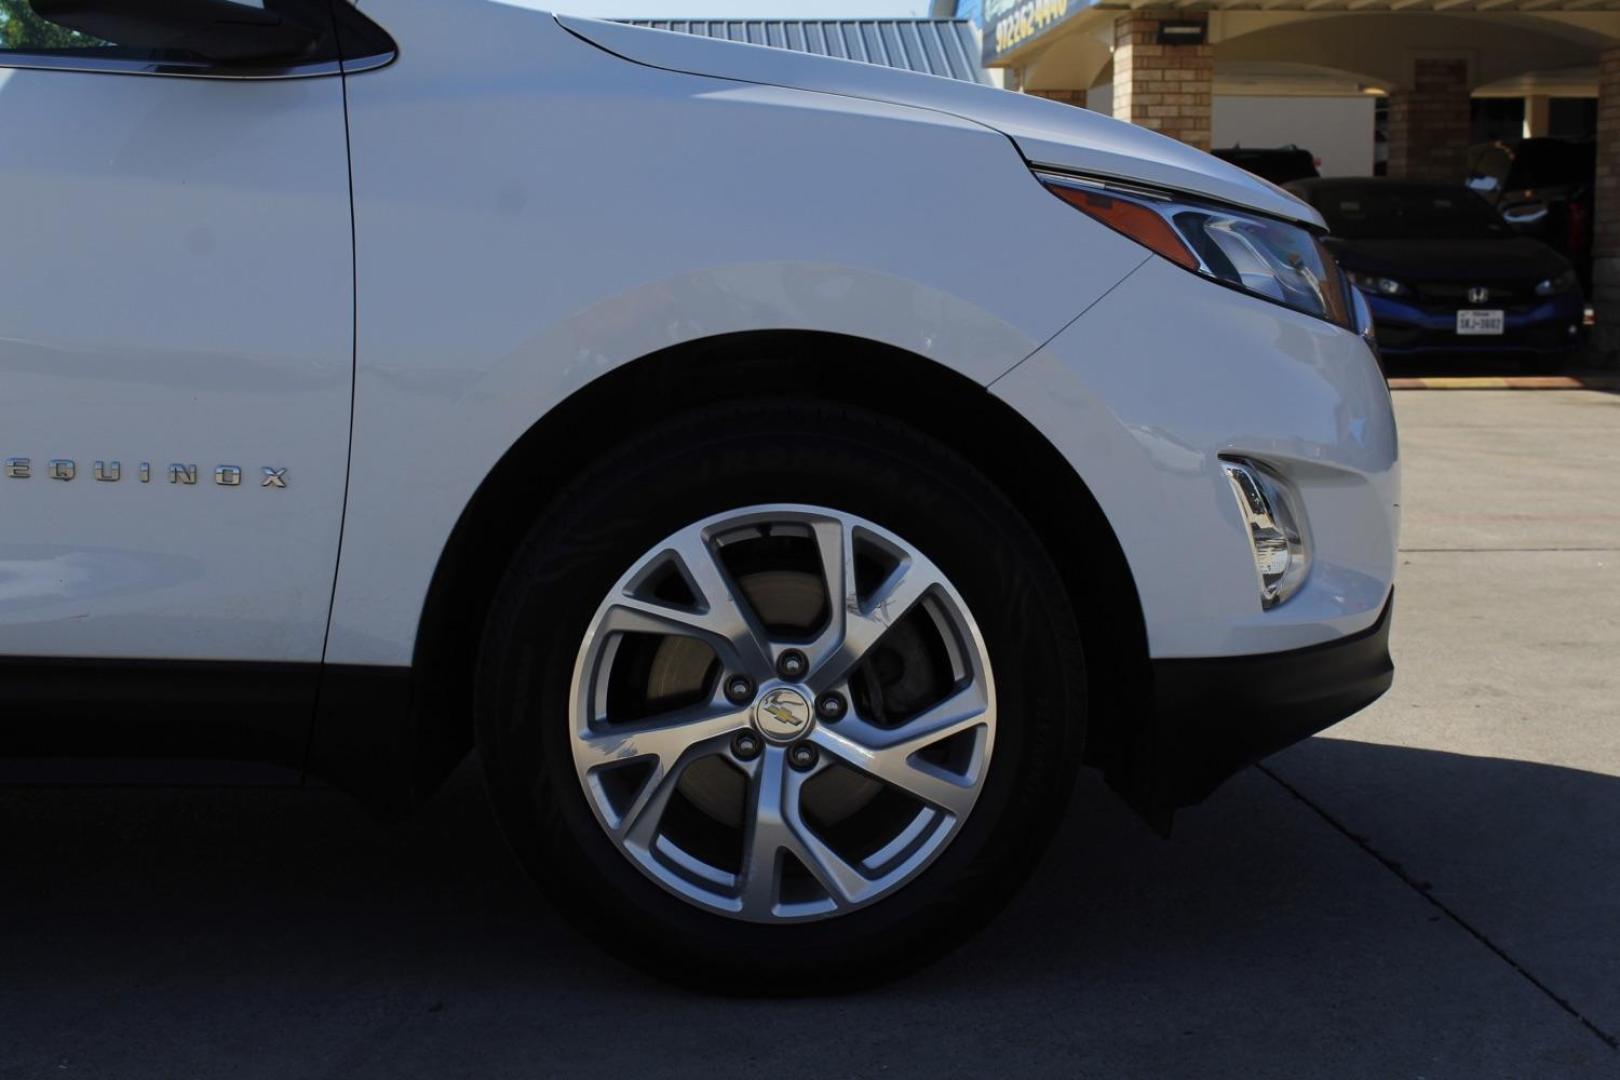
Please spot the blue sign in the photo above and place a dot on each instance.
(1012, 24)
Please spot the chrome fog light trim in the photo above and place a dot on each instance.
(1282, 557)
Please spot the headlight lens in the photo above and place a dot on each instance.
(1264, 257)
(1568, 281)
(1378, 286)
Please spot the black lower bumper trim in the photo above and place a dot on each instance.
(1214, 716)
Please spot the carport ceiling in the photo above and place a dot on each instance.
(1367, 43)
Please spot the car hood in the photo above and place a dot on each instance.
(1046, 132)
(1507, 258)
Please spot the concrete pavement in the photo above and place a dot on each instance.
(1431, 890)
(1507, 643)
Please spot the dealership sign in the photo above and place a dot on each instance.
(1009, 24)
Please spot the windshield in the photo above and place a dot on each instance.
(1278, 166)
(1407, 211)
(1549, 163)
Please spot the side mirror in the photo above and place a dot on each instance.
(221, 31)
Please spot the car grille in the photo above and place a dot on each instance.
(1502, 294)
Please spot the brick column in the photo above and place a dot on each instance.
(1537, 115)
(1164, 87)
(1077, 98)
(1429, 123)
(1606, 231)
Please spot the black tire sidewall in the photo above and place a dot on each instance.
(724, 460)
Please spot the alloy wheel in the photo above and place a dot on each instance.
(782, 713)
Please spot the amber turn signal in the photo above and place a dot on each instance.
(1135, 221)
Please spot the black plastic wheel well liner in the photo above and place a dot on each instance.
(828, 367)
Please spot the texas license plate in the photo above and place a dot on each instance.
(1479, 322)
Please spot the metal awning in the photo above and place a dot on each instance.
(947, 47)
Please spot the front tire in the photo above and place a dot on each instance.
(780, 697)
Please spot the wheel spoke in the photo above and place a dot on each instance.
(766, 835)
(639, 824)
(843, 882)
(854, 627)
(962, 709)
(775, 825)
(890, 755)
(837, 556)
(673, 741)
(906, 585)
(721, 617)
(920, 779)
(665, 737)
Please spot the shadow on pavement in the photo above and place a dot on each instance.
(283, 933)
(1528, 855)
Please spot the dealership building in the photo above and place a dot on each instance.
(1401, 87)
(1396, 87)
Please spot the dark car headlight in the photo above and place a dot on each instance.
(1262, 256)
(1377, 284)
(1568, 281)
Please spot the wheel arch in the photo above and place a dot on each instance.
(948, 406)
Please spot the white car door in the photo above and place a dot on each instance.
(176, 347)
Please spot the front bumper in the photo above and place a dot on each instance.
(1154, 386)
(1214, 716)
(1406, 329)
(1145, 395)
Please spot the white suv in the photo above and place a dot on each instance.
(784, 471)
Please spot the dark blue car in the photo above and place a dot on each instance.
(1444, 275)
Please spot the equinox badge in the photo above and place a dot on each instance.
(111, 472)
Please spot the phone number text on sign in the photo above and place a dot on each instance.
(1026, 21)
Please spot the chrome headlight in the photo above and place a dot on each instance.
(1262, 256)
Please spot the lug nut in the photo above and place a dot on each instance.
(803, 757)
(746, 746)
(792, 665)
(739, 689)
(831, 706)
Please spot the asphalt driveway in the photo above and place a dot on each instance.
(1430, 890)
